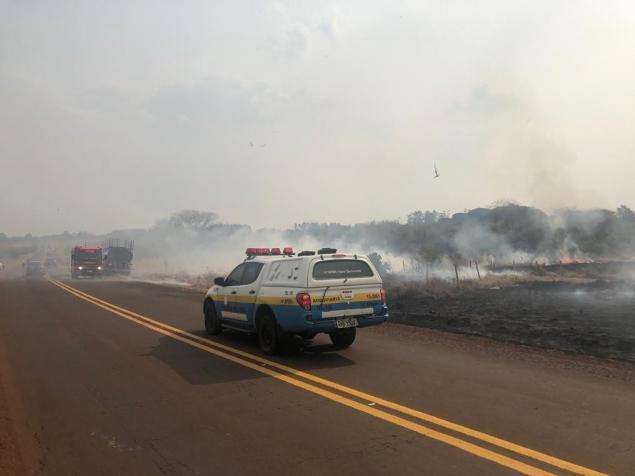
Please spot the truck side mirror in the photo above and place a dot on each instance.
(219, 281)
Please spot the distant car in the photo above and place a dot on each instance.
(274, 293)
(35, 270)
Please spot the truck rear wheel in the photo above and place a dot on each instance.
(212, 322)
(268, 336)
(343, 338)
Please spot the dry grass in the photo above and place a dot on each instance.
(196, 281)
(203, 281)
(398, 287)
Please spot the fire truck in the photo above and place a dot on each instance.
(86, 262)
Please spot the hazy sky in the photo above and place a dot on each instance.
(114, 114)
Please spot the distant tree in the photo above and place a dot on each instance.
(429, 253)
(189, 219)
(525, 228)
(383, 267)
(415, 218)
(625, 214)
(418, 217)
(554, 246)
(592, 233)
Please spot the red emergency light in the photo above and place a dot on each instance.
(287, 250)
(258, 251)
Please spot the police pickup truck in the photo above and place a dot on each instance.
(276, 294)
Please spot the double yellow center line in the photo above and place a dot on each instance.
(394, 413)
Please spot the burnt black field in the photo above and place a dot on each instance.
(596, 317)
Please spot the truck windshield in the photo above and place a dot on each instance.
(87, 255)
(340, 269)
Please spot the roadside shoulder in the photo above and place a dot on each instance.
(19, 452)
(558, 361)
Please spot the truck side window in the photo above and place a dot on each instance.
(252, 270)
(235, 277)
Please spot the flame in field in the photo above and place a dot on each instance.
(573, 260)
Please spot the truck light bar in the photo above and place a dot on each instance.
(287, 251)
(258, 252)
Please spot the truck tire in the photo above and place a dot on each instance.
(268, 335)
(344, 338)
(212, 322)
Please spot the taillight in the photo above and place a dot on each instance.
(304, 301)
(382, 293)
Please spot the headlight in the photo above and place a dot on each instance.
(99, 268)
(80, 267)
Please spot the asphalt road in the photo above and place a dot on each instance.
(87, 388)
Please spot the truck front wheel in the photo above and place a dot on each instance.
(343, 338)
(212, 322)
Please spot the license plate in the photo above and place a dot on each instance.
(345, 323)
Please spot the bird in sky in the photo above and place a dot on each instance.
(436, 171)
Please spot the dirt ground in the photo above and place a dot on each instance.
(18, 454)
(10, 458)
(594, 318)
